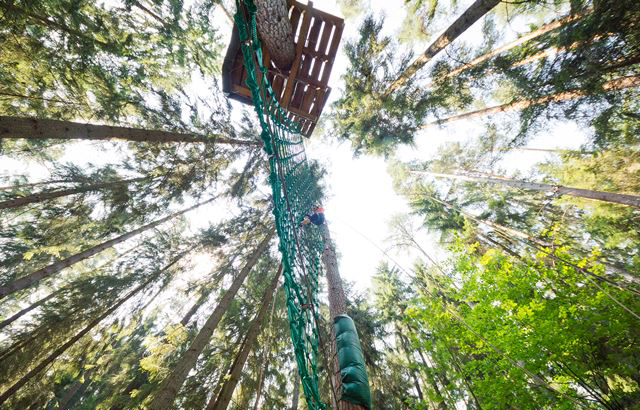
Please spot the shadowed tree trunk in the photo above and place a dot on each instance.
(171, 385)
(478, 9)
(34, 128)
(231, 379)
(613, 85)
(624, 199)
(44, 196)
(34, 277)
(274, 27)
(337, 304)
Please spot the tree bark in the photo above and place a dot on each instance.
(274, 27)
(337, 303)
(60, 350)
(34, 277)
(623, 199)
(45, 196)
(34, 128)
(231, 379)
(172, 384)
(478, 9)
(613, 85)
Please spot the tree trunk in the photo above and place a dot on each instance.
(274, 27)
(34, 277)
(192, 311)
(265, 355)
(337, 304)
(624, 199)
(531, 35)
(59, 351)
(478, 9)
(231, 379)
(34, 128)
(44, 196)
(405, 347)
(296, 391)
(172, 384)
(26, 310)
(613, 85)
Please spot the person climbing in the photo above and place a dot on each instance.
(316, 216)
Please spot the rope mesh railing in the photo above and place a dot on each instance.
(295, 191)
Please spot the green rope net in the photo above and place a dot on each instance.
(295, 191)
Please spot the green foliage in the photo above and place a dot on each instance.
(375, 123)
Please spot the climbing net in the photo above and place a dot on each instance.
(295, 191)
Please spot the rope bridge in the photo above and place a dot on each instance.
(295, 191)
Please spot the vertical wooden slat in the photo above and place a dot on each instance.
(332, 52)
(299, 47)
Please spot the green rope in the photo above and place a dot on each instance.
(295, 190)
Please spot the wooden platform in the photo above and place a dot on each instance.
(303, 90)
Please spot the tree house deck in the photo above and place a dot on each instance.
(302, 90)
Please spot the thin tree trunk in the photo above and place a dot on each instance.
(412, 371)
(60, 350)
(172, 384)
(337, 303)
(231, 379)
(296, 391)
(34, 128)
(34, 277)
(624, 199)
(478, 9)
(45, 196)
(531, 35)
(196, 306)
(613, 85)
(26, 310)
(265, 354)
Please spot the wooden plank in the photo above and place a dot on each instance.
(326, 34)
(314, 33)
(295, 20)
(309, 95)
(319, 101)
(335, 43)
(277, 85)
(286, 98)
(298, 93)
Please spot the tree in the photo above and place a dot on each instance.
(230, 380)
(613, 85)
(172, 384)
(16, 127)
(624, 199)
(272, 21)
(60, 350)
(34, 277)
(338, 309)
(478, 9)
